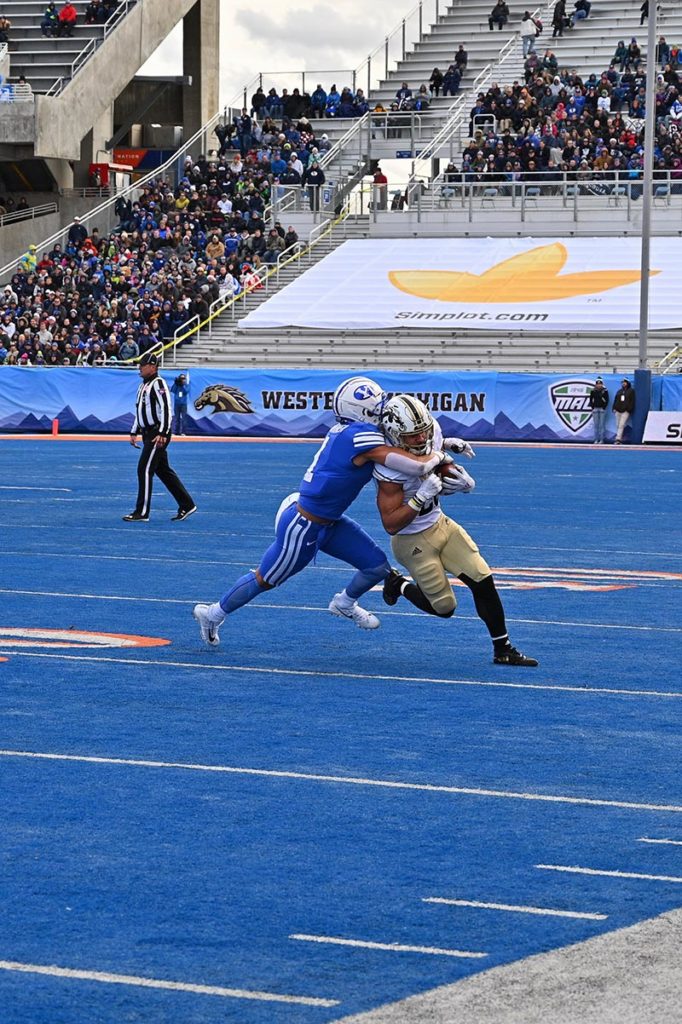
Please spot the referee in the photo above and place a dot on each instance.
(153, 419)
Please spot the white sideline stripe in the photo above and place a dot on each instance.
(392, 947)
(351, 780)
(321, 608)
(310, 673)
(609, 874)
(543, 911)
(174, 986)
(11, 487)
(667, 842)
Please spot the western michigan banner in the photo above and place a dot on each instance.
(492, 284)
(298, 403)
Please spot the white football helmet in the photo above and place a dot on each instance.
(408, 424)
(359, 400)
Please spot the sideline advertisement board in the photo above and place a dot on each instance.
(298, 403)
(663, 428)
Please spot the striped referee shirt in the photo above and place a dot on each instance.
(153, 408)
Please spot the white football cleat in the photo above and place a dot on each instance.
(358, 615)
(208, 629)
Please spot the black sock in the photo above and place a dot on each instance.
(417, 597)
(489, 609)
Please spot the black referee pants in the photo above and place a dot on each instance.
(154, 462)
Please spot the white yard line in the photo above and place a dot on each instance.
(13, 487)
(513, 908)
(609, 874)
(314, 673)
(391, 947)
(173, 986)
(666, 842)
(350, 780)
(318, 608)
(319, 674)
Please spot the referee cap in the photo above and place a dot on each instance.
(149, 359)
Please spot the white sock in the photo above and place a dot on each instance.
(345, 601)
(215, 614)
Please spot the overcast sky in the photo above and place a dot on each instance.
(290, 36)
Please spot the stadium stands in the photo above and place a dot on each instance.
(180, 232)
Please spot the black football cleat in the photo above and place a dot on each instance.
(510, 656)
(183, 513)
(135, 517)
(392, 585)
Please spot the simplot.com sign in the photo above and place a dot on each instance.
(663, 428)
(498, 284)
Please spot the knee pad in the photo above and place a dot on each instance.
(444, 606)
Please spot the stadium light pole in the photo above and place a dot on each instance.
(649, 136)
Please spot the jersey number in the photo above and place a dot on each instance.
(308, 475)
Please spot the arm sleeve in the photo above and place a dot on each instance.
(410, 467)
(365, 440)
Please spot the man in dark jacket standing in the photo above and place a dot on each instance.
(153, 418)
(599, 403)
(623, 406)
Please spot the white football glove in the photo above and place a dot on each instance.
(428, 489)
(459, 446)
(458, 481)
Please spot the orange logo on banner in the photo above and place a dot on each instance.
(532, 276)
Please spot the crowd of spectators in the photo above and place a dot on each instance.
(559, 126)
(104, 300)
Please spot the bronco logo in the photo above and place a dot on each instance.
(223, 398)
(571, 401)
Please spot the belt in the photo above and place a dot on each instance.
(313, 518)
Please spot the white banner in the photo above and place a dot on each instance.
(506, 284)
(663, 428)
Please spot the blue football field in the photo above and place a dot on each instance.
(312, 820)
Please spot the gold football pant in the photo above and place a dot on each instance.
(442, 549)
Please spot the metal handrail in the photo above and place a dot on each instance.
(267, 272)
(671, 361)
(89, 49)
(30, 214)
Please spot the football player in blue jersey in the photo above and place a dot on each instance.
(313, 519)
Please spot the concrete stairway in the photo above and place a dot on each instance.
(41, 59)
(410, 350)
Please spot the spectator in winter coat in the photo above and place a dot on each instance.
(77, 233)
(318, 102)
(5, 26)
(67, 19)
(662, 52)
(49, 24)
(314, 178)
(558, 18)
(436, 82)
(451, 81)
(528, 33)
(461, 59)
(623, 406)
(599, 403)
(499, 15)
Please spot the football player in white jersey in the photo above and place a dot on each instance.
(427, 542)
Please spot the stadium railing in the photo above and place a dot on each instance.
(90, 48)
(33, 211)
(266, 274)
